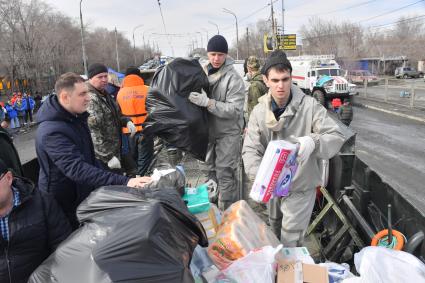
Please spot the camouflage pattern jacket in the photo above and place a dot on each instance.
(256, 89)
(105, 124)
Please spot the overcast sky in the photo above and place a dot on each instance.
(194, 16)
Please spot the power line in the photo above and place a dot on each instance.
(413, 19)
(342, 9)
(392, 11)
(165, 28)
(250, 15)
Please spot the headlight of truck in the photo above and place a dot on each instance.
(352, 88)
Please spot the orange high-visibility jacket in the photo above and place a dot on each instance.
(132, 100)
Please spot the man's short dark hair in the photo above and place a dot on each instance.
(67, 81)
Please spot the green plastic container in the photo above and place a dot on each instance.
(197, 199)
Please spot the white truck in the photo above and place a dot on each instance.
(320, 76)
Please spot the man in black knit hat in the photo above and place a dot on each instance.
(225, 109)
(286, 113)
(105, 121)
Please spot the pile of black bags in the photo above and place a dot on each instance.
(128, 235)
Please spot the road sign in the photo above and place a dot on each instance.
(287, 42)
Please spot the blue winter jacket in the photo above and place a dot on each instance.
(28, 100)
(68, 168)
(11, 112)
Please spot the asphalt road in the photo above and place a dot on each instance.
(394, 147)
(25, 144)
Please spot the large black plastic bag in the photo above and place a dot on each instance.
(128, 235)
(171, 115)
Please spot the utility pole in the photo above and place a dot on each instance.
(283, 19)
(82, 43)
(116, 50)
(273, 29)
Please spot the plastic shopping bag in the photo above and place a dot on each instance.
(379, 264)
(257, 266)
(240, 232)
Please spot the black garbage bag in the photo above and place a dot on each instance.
(171, 115)
(128, 235)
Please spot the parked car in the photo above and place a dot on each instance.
(361, 76)
(406, 72)
(151, 64)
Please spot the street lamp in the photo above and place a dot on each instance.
(206, 31)
(202, 41)
(237, 33)
(134, 43)
(214, 24)
(143, 36)
(82, 43)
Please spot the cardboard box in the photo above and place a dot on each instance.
(298, 272)
(296, 254)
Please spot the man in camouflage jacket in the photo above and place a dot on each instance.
(257, 87)
(105, 121)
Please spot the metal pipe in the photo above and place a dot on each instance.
(363, 223)
(390, 227)
(414, 242)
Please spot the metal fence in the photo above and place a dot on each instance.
(405, 92)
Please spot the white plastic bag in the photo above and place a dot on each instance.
(379, 264)
(257, 266)
(337, 272)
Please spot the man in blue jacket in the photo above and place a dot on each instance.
(28, 104)
(68, 167)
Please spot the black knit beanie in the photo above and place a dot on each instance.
(133, 71)
(96, 68)
(275, 58)
(217, 43)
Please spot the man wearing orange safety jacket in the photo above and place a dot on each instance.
(132, 101)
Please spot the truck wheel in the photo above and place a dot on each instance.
(405, 76)
(320, 96)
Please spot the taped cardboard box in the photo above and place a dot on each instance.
(298, 272)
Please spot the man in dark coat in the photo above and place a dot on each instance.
(68, 167)
(32, 226)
